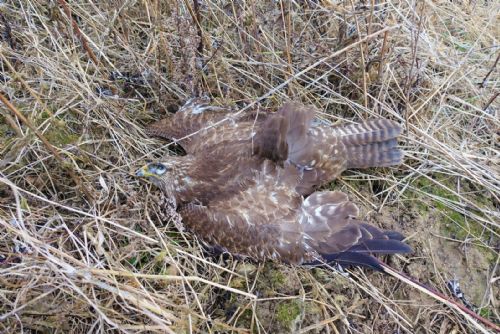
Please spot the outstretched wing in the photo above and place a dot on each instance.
(259, 221)
(329, 221)
(198, 125)
(270, 220)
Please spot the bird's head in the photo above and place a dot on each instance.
(161, 175)
(152, 170)
(169, 175)
(156, 172)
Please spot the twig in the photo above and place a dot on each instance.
(197, 17)
(410, 73)
(490, 101)
(78, 33)
(172, 278)
(471, 316)
(382, 55)
(490, 71)
(362, 51)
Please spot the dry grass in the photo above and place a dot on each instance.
(84, 246)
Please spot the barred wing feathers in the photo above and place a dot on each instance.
(269, 220)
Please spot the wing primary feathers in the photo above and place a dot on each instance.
(328, 219)
(349, 259)
(381, 246)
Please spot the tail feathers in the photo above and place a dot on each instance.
(371, 144)
(374, 155)
(377, 130)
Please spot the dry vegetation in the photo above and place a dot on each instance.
(85, 247)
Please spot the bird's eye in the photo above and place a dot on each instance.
(158, 168)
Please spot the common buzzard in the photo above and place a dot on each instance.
(247, 183)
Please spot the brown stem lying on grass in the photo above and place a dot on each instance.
(481, 85)
(382, 55)
(471, 316)
(490, 101)
(362, 51)
(78, 33)
(49, 146)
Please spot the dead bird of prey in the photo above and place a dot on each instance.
(247, 184)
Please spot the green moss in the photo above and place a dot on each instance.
(486, 312)
(7, 134)
(4, 128)
(245, 318)
(272, 279)
(433, 188)
(287, 313)
(44, 115)
(60, 137)
(454, 224)
(140, 260)
(277, 278)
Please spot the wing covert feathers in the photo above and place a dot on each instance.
(332, 230)
(284, 132)
(270, 141)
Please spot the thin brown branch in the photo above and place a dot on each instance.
(197, 16)
(78, 32)
(490, 100)
(409, 78)
(382, 55)
(483, 83)
(363, 47)
(471, 316)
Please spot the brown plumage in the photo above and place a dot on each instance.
(242, 184)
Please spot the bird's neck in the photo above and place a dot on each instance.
(179, 184)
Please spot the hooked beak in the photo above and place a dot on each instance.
(143, 172)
